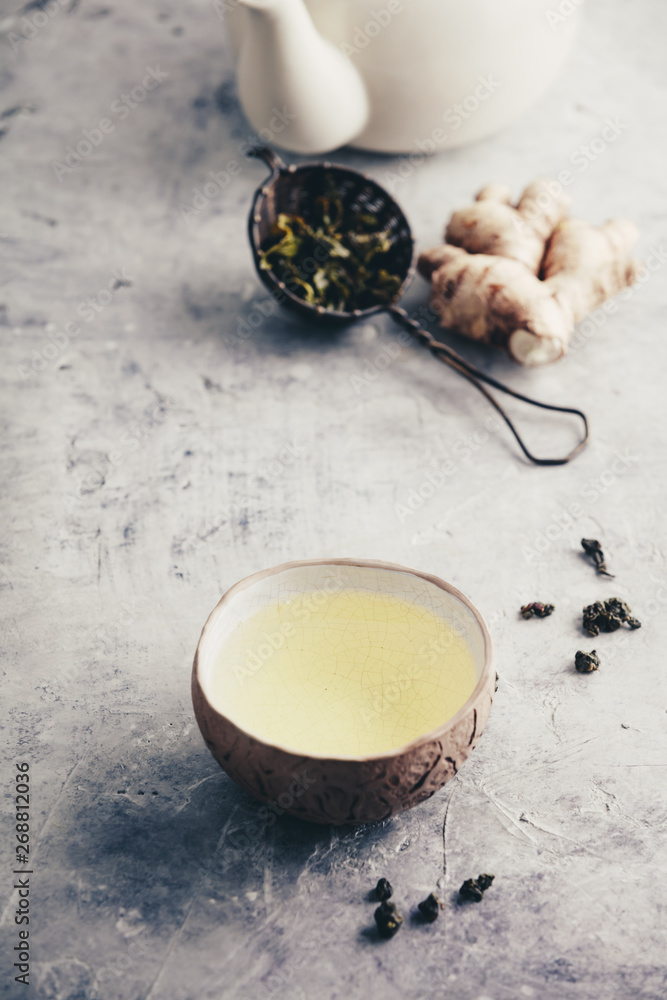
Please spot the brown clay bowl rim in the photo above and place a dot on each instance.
(434, 734)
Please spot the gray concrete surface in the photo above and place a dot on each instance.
(141, 478)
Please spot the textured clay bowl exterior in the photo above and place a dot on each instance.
(346, 790)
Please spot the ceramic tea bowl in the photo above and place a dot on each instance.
(336, 788)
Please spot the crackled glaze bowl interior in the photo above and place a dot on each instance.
(342, 691)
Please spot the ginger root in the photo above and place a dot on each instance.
(496, 301)
(585, 265)
(491, 225)
(521, 278)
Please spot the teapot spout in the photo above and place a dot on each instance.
(295, 83)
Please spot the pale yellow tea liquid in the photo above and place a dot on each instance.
(342, 674)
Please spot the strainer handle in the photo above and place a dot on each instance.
(270, 157)
(449, 357)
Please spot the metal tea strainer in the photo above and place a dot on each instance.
(293, 190)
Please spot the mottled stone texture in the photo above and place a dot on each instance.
(142, 476)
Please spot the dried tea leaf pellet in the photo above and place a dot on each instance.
(430, 907)
(388, 919)
(586, 663)
(537, 610)
(473, 889)
(383, 889)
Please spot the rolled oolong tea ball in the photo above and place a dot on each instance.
(608, 616)
(537, 609)
(586, 663)
(473, 889)
(471, 892)
(388, 919)
(383, 889)
(622, 610)
(430, 908)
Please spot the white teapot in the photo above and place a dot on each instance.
(394, 76)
